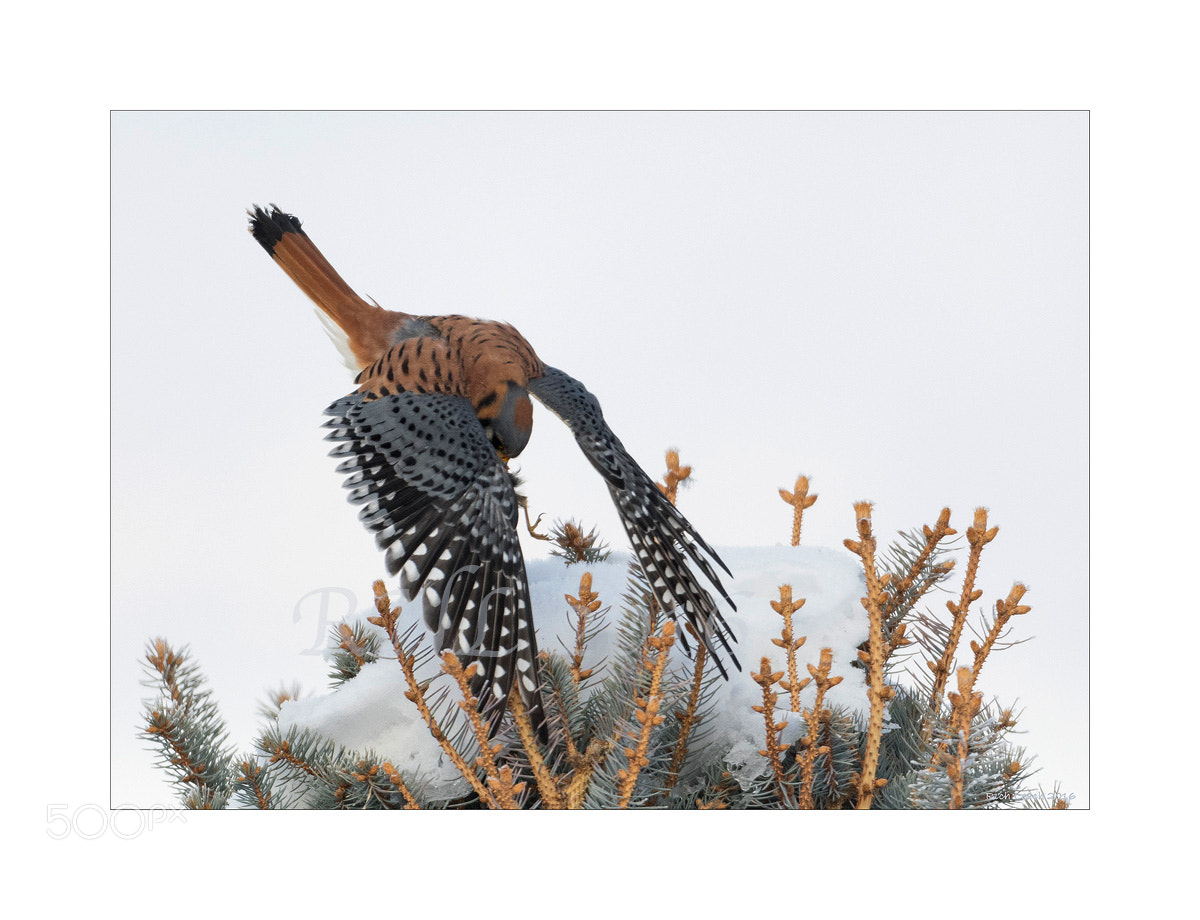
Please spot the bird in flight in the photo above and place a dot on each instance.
(442, 403)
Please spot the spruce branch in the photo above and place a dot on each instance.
(269, 708)
(186, 728)
(352, 647)
(253, 786)
(279, 749)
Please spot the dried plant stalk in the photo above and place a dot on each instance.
(785, 607)
(799, 499)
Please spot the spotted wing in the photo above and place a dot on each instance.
(662, 539)
(443, 509)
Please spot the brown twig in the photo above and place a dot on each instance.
(785, 607)
(416, 695)
(978, 536)
(766, 679)
(585, 765)
(799, 499)
(499, 779)
(389, 616)
(933, 536)
(283, 751)
(964, 706)
(813, 717)
(966, 703)
(587, 603)
(388, 619)
(546, 783)
(646, 711)
(1006, 609)
(675, 475)
(877, 691)
(687, 716)
(394, 777)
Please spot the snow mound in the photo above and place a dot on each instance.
(831, 582)
(371, 712)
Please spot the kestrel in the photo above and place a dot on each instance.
(442, 403)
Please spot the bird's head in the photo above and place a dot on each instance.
(507, 418)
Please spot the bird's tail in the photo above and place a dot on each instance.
(361, 331)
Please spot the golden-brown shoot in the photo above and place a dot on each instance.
(877, 692)
(646, 711)
(799, 499)
(785, 607)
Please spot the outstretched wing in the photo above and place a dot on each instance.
(659, 534)
(443, 509)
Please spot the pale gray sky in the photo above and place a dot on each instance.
(895, 304)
